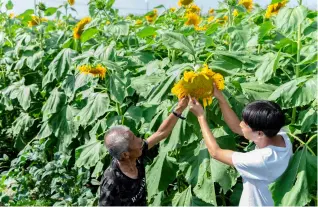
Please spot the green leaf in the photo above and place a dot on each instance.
(239, 37)
(201, 170)
(298, 92)
(45, 131)
(288, 19)
(267, 67)
(50, 11)
(98, 170)
(264, 29)
(89, 34)
(64, 127)
(118, 86)
(98, 104)
(106, 53)
(89, 154)
(34, 61)
(161, 90)
(62, 63)
(22, 124)
(276, 1)
(183, 199)
(307, 119)
(174, 40)
(119, 29)
(212, 28)
(79, 82)
(294, 186)
(257, 91)
(109, 4)
(9, 5)
(157, 179)
(310, 52)
(146, 31)
(54, 103)
(21, 92)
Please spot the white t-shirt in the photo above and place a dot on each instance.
(259, 168)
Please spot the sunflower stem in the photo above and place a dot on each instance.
(297, 66)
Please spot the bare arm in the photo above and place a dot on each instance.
(167, 125)
(214, 149)
(229, 115)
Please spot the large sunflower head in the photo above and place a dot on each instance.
(97, 70)
(248, 4)
(274, 8)
(198, 85)
(193, 19)
(184, 2)
(78, 30)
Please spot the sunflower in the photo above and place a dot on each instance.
(151, 17)
(184, 2)
(248, 4)
(274, 8)
(235, 12)
(193, 9)
(36, 21)
(210, 19)
(138, 22)
(193, 19)
(108, 23)
(222, 20)
(78, 30)
(11, 15)
(71, 2)
(172, 9)
(211, 11)
(98, 70)
(199, 85)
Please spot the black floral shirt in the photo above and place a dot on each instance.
(117, 189)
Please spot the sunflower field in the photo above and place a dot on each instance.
(65, 81)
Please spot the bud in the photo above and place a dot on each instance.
(42, 6)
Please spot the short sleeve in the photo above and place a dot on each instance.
(250, 165)
(109, 195)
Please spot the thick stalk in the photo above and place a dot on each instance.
(297, 68)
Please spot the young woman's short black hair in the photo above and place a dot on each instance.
(265, 116)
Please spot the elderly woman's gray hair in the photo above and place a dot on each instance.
(117, 140)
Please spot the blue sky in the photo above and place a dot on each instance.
(139, 6)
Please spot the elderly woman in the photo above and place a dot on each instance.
(124, 181)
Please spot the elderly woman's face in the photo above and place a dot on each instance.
(135, 146)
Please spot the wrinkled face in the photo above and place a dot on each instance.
(135, 146)
(248, 132)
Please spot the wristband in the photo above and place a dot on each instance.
(178, 115)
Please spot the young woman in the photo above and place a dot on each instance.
(262, 123)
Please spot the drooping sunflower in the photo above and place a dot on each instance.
(151, 17)
(199, 85)
(71, 2)
(235, 12)
(248, 4)
(98, 70)
(184, 2)
(36, 21)
(274, 8)
(193, 9)
(193, 19)
(78, 30)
